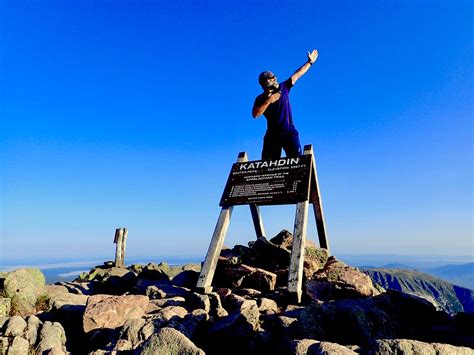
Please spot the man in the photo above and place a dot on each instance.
(274, 104)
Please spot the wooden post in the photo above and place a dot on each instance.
(295, 274)
(315, 199)
(124, 244)
(257, 220)
(118, 240)
(214, 251)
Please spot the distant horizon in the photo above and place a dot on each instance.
(359, 259)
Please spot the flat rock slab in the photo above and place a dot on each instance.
(104, 311)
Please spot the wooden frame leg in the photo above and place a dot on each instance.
(212, 256)
(295, 275)
(257, 221)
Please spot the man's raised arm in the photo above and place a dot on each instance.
(304, 68)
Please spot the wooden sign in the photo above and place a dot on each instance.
(268, 182)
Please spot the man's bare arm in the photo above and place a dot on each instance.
(304, 68)
(260, 107)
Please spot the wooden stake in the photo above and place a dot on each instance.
(118, 249)
(315, 198)
(295, 275)
(217, 241)
(257, 221)
(124, 244)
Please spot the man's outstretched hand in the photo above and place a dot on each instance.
(312, 56)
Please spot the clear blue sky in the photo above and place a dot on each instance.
(131, 113)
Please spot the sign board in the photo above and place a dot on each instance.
(268, 182)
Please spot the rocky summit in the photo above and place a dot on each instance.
(157, 309)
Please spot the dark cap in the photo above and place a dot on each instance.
(262, 78)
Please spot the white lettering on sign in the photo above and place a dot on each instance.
(269, 163)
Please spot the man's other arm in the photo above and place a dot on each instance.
(262, 102)
(304, 68)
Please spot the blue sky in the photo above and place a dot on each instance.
(131, 113)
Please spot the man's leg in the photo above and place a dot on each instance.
(291, 144)
(271, 147)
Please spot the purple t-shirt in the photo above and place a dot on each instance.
(278, 114)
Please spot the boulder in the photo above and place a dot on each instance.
(52, 338)
(159, 291)
(358, 321)
(337, 281)
(261, 280)
(169, 341)
(314, 259)
(15, 326)
(5, 306)
(186, 278)
(235, 302)
(24, 287)
(172, 301)
(231, 276)
(131, 331)
(284, 240)
(196, 300)
(60, 297)
(171, 312)
(266, 304)
(33, 324)
(19, 346)
(315, 347)
(153, 271)
(270, 257)
(104, 311)
(241, 323)
(408, 346)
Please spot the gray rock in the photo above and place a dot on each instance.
(171, 312)
(338, 281)
(234, 302)
(327, 348)
(406, 346)
(19, 346)
(4, 344)
(241, 323)
(123, 345)
(131, 331)
(172, 301)
(171, 342)
(155, 271)
(15, 326)
(103, 311)
(52, 337)
(266, 304)
(147, 330)
(314, 260)
(261, 280)
(198, 301)
(33, 324)
(270, 256)
(5, 307)
(284, 239)
(187, 278)
(59, 296)
(166, 291)
(24, 287)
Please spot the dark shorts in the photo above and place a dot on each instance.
(273, 143)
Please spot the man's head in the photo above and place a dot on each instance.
(268, 81)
